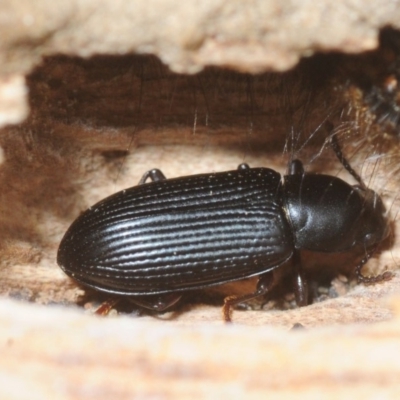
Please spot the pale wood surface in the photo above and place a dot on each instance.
(55, 353)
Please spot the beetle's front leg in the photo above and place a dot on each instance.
(154, 174)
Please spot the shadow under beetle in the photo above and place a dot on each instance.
(154, 241)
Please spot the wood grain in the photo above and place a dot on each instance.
(60, 354)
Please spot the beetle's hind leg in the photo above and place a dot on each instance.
(155, 175)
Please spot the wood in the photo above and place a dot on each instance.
(56, 353)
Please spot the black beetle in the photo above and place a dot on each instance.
(156, 240)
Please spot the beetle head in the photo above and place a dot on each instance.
(329, 215)
(373, 221)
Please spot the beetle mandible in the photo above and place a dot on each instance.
(154, 241)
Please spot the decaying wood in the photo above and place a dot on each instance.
(187, 37)
(266, 35)
(56, 353)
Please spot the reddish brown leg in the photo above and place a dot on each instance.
(265, 283)
(106, 306)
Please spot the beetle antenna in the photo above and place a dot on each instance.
(339, 154)
(370, 280)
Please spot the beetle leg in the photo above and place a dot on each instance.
(300, 283)
(243, 166)
(106, 307)
(296, 168)
(154, 174)
(265, 283)
(158, 302)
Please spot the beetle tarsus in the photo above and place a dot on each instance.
(265, 283)
(227, 308)
(231, 301)
(105, 307)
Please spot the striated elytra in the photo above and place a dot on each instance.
(154, 241)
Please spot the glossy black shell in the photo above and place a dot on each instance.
(180, 234)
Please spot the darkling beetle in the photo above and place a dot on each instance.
(154, 241)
